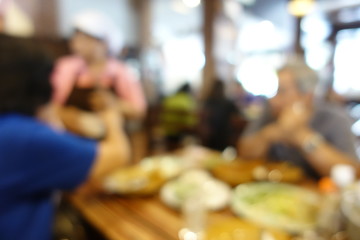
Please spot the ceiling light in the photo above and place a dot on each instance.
(300, 8)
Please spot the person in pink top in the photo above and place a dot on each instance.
(92, 67)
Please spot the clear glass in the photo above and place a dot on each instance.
(194, 213)
(350, 207)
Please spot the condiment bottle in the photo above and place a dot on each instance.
(330, 218)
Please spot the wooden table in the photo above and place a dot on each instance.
(124, 218)
(134, 218)
(137, 218)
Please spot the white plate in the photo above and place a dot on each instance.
(278, 205)
(216, 194)
(169, 165)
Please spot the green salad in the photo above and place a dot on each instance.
(278, 205)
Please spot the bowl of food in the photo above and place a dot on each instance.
(244, 171)
(235, 228)
(278, 205)
(134, 180)
(144, 178)
(215, 194)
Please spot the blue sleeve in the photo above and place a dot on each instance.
(64, 161)
(43, 160)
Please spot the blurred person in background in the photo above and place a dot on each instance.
(95, 44)
(240, 96)
(217, 117)
(178, 116)
(297, 127)
(36, 156)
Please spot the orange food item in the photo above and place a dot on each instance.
(326, 185)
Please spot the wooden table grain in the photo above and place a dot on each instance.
(134, 218)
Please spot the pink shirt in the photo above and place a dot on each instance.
(73, 70)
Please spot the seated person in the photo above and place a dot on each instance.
(36, 158)
(178, 116)
(296, 127)
(93, 64)
(218, 115)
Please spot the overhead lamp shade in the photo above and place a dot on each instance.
(17, 22)
(300, 8)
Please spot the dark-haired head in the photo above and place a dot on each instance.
(24, 76)
(217, 90)
(185, 88)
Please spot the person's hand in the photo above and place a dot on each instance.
(101, 100)
(49, 114)
(294, 118)
(106, 105)
(276, 104)
(273, 133)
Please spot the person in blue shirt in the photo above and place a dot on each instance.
(37, 158)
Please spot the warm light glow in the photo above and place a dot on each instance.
(300, 8)
(17, 21)
(191, 3)
(186, 234)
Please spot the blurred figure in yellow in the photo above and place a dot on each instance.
(93, 65)
(297, 127)
(37, 159)
(178, 116)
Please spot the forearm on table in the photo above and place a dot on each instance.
(257, 144)
(114, 150)
(70, 118)
(324, 155)
(81, 122)
(49, 114)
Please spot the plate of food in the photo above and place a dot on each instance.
(144, 178)
(234, 228)
(214, 193)
(244, 171)
(279, 205)
(134, 180)
(168, 166)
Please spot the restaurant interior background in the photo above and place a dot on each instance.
(169, 42)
